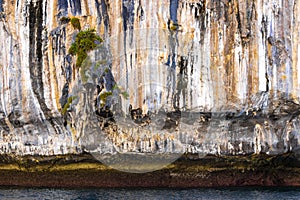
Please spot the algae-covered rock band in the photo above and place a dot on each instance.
(195, 79)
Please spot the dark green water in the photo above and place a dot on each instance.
(128, 194)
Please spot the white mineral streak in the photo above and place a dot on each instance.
(229, 46)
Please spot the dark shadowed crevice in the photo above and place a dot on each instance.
(99, 13)
(140, 11)
(182, 78)
(1, 6)
(128, 14)
(173, 10)
(128, 20)
(200, 16)
(238, 19)
(65, 94)
(75, 7)
(172, 57)
(36, 54)
(105, 7)
(36, 59)
(62, 8)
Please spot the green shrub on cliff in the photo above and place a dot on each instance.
(85, 41)
(75, 23)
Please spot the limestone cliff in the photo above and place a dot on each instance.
(200, 56)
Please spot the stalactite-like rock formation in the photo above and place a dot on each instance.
(206, 57)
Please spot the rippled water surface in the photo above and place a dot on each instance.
(211, 193)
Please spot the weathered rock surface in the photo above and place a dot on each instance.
(236, 61)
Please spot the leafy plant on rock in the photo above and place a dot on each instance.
(85, 41)
(75, 23)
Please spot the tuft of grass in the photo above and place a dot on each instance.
(104, 96)
(100, 63)
(124, 94)
(68, 104)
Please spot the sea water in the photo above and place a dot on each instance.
(128, 194)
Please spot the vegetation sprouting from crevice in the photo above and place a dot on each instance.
(124, 94)
(103, 97)
(68, 104)
(75, 23)
(85, 41)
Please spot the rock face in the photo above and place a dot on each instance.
(216, 57)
